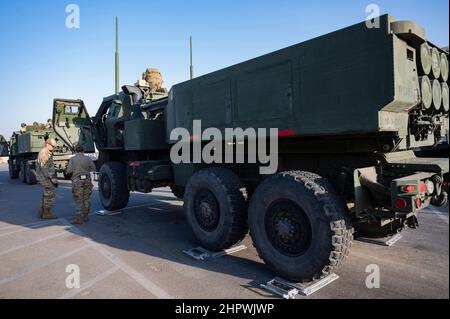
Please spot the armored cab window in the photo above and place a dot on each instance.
(71, 109)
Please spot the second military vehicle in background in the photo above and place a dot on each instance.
(24, 147)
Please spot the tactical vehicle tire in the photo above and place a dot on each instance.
(299, 225)
(215, 207)
(178, 191)
(13, 174)
(31, 174)
(113, 187)
(23, 173)
(376, 231)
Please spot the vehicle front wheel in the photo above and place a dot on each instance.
(13, 173)
(31, 173)
(113, 187)
(215, 208)
(299, 225)
(23, 172)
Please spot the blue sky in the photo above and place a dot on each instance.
(41, 59)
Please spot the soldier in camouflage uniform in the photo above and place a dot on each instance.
(154, 80)
(80, 167)
(23, 128)
(46, 176)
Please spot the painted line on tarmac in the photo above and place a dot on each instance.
(32, 243)
(439, 214)
(31, 225)
(42, 223)
(90, 283)
(138, 277)
(34, 267)
(158, 209)
(24, 228)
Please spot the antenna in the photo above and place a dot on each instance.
(191, 68)
(117, 56)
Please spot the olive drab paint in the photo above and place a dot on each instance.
(349, 108)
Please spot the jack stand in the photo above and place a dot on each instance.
(387, 242)
(289, 290)
(107, 213)
(201, 253)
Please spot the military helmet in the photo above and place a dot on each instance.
(154, 78)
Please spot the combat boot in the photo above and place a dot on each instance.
(77, 220)
(47, 214)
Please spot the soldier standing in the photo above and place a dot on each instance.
(46, 176)
(80, 167)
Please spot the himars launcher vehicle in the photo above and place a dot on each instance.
(24, 147)
(350, 107)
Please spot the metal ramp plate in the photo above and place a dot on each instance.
(290, 290)
(200, 253)
(387, 242)
(107, 213)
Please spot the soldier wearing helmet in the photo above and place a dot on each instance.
(152, 78)
(46, 176)
(23, 128)
(80, 168)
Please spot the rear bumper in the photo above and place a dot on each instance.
(402, 184)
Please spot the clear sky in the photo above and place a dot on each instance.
(41, 59)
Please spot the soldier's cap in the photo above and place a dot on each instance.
(51, 141)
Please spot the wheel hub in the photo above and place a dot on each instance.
(206, 210)
(285, 227)
(288, 228)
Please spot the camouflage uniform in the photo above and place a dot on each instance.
(154, 80)
(80, 167)
(45, 171)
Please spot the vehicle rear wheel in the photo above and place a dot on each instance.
(113, 187)
(215, 208)
(31, 173)
(13, 174)
(299, 225)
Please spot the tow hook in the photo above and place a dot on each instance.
(412, 222)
